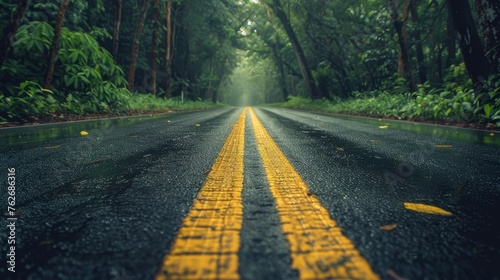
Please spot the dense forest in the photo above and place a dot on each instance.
(419, 59)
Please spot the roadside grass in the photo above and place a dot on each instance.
(149, 102)
(453, 101)
(31, 102)
(433, 106)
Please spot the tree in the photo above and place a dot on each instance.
(404, 68)
(470, 43)
(422, 73)
(167, 48)
(489, 21)
(277, 8)
(11, 28)
(154, 45)
(116, 29)
(135, 45)
(55, 42)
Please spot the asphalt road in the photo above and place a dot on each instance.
(109, 205)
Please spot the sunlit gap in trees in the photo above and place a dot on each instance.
(252, 82)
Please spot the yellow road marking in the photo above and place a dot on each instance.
(208, 242)
(318, 248)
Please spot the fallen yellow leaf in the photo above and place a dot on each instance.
(197, 124)
(427, 209)
(383, 126)
(84, 133)
(389, 227)
(340, 149)
(52, 147)
(443, 146)
(492, 134)
(168, 120)
(394, 275)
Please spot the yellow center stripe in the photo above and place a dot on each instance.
(318, 248)
(208, 242)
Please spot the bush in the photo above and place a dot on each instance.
(29, 101)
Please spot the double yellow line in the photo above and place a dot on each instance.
(208, 242)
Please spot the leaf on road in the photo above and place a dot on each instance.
(168, 121)
(16, 213)
(52, 147)
(84, 133)
(394, 275)
(375, 141)
(383, 126)
(340, 149)
(389, 227)
(197, 124)
(427, 209)
(492, 134)
(443, 146)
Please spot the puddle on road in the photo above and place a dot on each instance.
(38, 133)
(444, 132)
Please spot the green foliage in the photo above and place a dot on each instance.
(424, 104)
(149, 102)
(86, 79)
(30, 100)
(457, 78)
(487, 103)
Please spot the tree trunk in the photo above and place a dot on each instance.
(281, 70)
(404, 68)
(215, 95)
(489, 21)
(209, 89)
(185, 75)
(299, 53)
(422, 72)
(49, 74)
(10, 30)
(135, 45)
(401, 62)
(154, 45)
(116, 30)
(451, 40)
(168, 46)
(470, 43)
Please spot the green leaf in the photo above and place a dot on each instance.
(487, 110)
(467, 106)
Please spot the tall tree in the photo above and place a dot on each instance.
(275, 45)
(167, 49)
(116, 29)
(277, 8)
(404, 68)
(470, 43)
(489, 22)
(11, 28)
(209, 88)
(451, 37)
(135, 45)
(154, 45)
(49, 74)
(422, 73)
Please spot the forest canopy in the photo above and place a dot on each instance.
(432, 59)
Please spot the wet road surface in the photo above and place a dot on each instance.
(114, 204)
